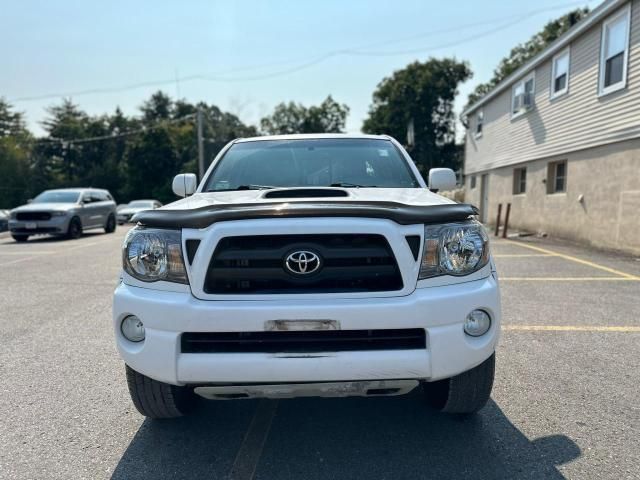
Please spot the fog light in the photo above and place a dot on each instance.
(477, 323)
(132, 328)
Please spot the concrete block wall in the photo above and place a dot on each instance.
(607, 178)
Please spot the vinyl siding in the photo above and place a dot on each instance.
(577, 120)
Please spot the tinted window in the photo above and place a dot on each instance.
(312, 163)
(57, 196)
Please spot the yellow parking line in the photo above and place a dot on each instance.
(575, 259)
(568, 279)
(516, 255)
(572, 328)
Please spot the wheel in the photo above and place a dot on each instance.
(20, 238)
(75, 228)
(110, 227)
(464, 393)
(155, 399)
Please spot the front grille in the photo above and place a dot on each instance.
(314, 341)
(31, 216)
(349, 263)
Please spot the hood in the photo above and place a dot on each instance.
(406, 196)
(46, 207)
(404, 206)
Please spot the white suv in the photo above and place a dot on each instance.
(308, 265)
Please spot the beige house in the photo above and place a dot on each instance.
(560, 138)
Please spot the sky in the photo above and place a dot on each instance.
(245, 57)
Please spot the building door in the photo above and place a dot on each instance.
(484, 197)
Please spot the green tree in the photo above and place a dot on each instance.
(420, 98)
(133, 157)
(152, 161)
(11, 123)
(219, 129)
(170, 147)
(328, 117)
(523, 52)
(65, 122)
(15, 148)
(158, 107)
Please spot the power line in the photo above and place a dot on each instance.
(116, 135)
(222, 76)
(440, 46)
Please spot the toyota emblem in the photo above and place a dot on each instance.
(302, 262)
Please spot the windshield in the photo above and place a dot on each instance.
(57, 196)
(311, 163)
(140, 204)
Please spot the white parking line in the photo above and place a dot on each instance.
(29, 252)
(32, 255)
(16, 261)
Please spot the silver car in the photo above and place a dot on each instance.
(67, 211)
(128, 211)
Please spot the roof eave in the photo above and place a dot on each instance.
(593, 18)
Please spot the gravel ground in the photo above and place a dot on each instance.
(565, 402)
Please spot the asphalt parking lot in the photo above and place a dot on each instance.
(565, 402)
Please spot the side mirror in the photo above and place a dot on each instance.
(29, 200)
(184, 184)
(441, 179)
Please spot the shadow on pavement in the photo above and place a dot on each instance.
(381, 438)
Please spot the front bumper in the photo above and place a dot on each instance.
(441, 311)
(56, 225)
(124, 218)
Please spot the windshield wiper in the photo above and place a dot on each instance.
(351, 185)
(242, 187)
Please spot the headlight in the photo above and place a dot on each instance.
(151, 255)
(454, 249)
(12, 215)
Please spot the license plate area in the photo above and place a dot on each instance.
(31, 225)
(300, 325)
(374, 388)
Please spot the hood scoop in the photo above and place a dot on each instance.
(306, 193)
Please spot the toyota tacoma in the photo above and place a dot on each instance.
(308, 265)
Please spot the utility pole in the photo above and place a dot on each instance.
(200, 146)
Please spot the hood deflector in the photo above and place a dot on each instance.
(398, 212)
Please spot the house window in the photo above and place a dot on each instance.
(557, 177)
(522, 96)
(614, 52)
(519, 181)
(472, 182)
(560, 74)
(479, 123)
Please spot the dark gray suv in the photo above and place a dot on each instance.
(67, 211)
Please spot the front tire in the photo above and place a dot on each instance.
(20, 238)
(74, 230)
(155, 399)
(465, 393)
(110, 227)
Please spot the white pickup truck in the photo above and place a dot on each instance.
(308, 265)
